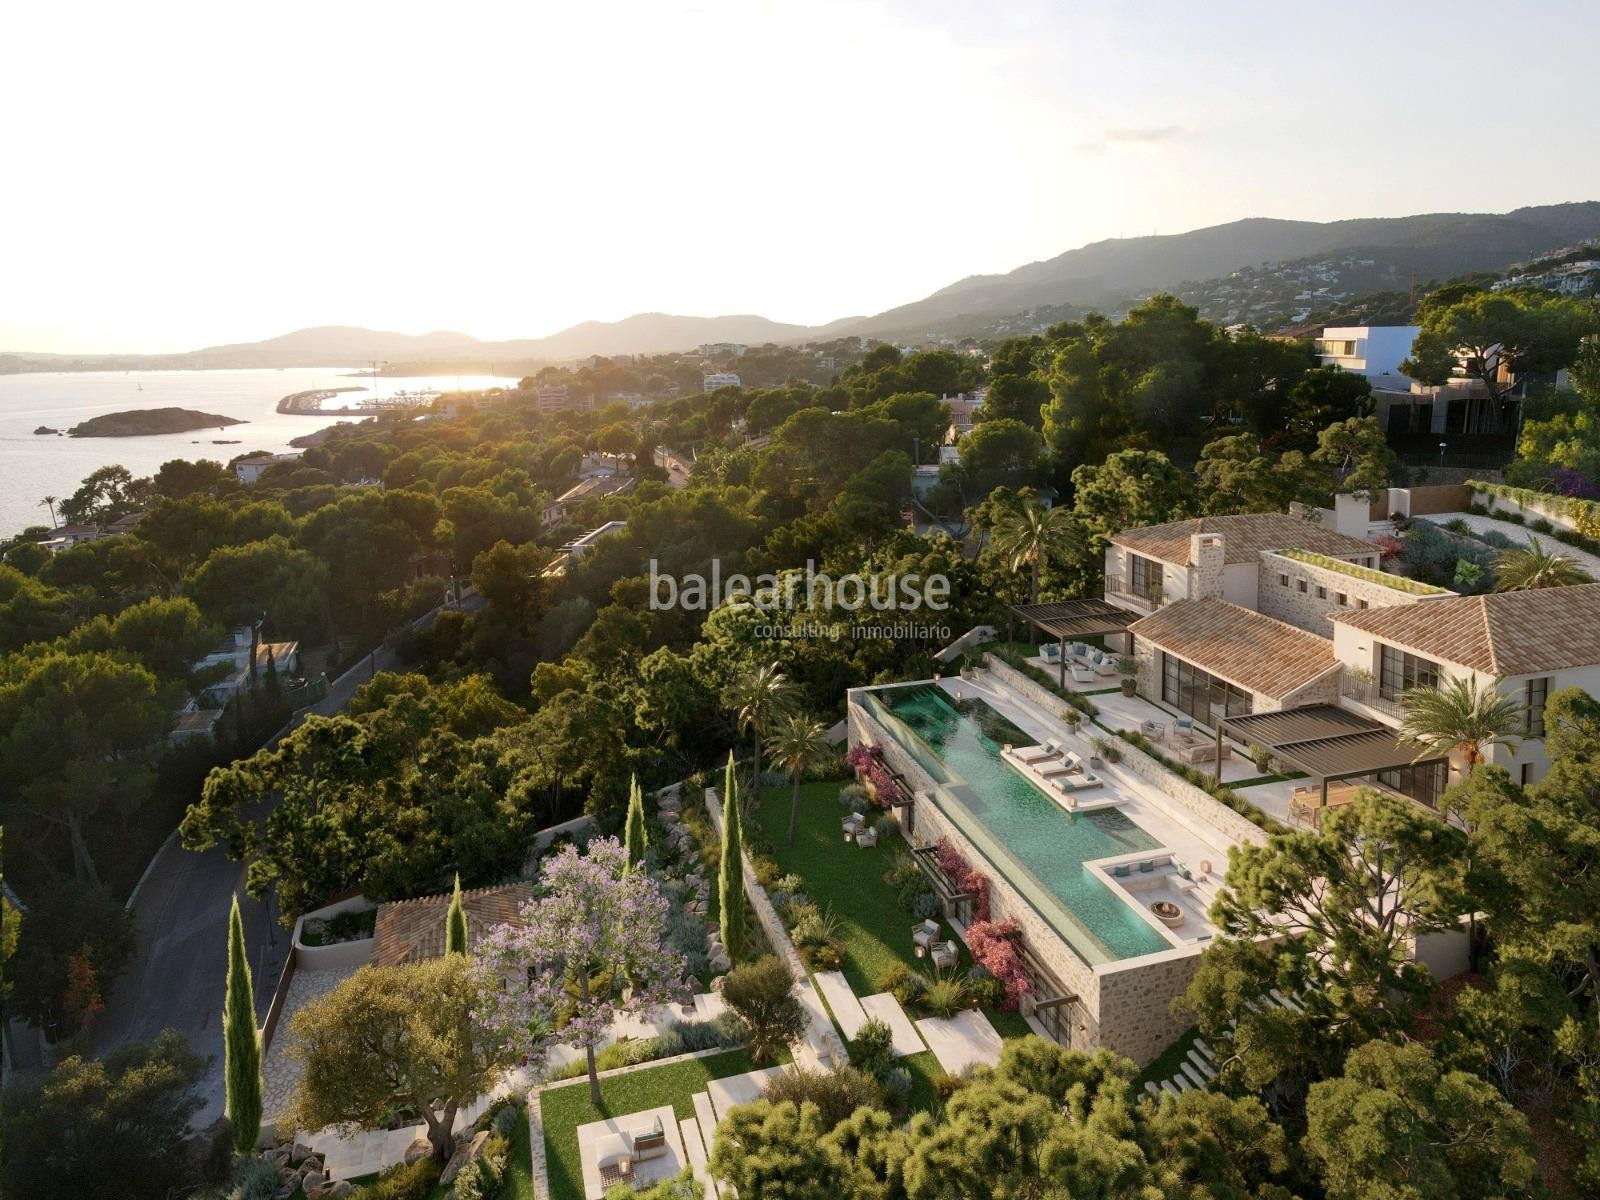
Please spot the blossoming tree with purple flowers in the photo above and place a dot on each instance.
(590, 947)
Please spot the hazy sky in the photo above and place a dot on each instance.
(180, 174)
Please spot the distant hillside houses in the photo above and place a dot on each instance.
(720, 379)
(250, 470)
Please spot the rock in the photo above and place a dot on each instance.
(340, 1188)
(719, 962)
(463, 1156)
(45, 429)
(298, 1153)
(311, 1181)
(420, 1147)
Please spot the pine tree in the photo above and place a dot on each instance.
(455, 923)
(241, 1042)
(636, 838)
(730, 881)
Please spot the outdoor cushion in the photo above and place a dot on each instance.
(613, 1150)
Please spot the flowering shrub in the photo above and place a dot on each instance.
(964, 876)
(997, 947)
(868, 764)
(1389, 546)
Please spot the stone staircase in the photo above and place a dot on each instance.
(1199, 1068)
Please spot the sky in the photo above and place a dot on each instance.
(180, 175)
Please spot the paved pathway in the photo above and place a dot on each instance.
(1521, 534)
(846, 1008)
(964, 1040)
(887, 1009)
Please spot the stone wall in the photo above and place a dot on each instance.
(1029, 689)
(1308, 609)
(1197, 803)
(1136, 1000)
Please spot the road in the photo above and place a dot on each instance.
(175, 980)
(676, 467)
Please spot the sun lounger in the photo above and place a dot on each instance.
(1073, 760)
(1079, 783)
(1052, 768)
(1033, 754)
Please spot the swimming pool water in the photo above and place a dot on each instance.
(1045, 844)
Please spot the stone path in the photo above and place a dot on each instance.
(964, 1040)
(887, 1009)
(738, 1089)
(698, 1153)
(281, 1071)
(847, 1010)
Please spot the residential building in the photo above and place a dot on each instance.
(722, 350)
(1375, 351)
(720, 379)
(570, 552)
(595, 487)
(250, 470)
(553, 397)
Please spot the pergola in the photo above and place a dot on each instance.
(1327, 742)
(1069, 620)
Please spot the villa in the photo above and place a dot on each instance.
(1265, 638)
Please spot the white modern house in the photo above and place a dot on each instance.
(1375, 351)
(720, 379)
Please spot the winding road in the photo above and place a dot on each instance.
(175, 980)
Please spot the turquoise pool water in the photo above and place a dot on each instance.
(1033, 841)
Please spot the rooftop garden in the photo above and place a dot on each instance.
(1399, 583)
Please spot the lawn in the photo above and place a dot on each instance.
(848, 881)
(567, 1107)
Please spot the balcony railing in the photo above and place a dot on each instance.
(1123, 587)
(1365, 691)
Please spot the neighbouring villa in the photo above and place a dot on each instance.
(1267, 651)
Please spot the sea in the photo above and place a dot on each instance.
(33, 466)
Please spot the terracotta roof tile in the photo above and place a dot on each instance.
(1255, 652)
(413, 930)
(1245, 537)
(1506, 633)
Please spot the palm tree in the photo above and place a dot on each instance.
(1523, 569)
(757, 698)
(1032, 535)
(50, 503)
(795, 744)
(1459, 715)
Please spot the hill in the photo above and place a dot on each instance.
(1111, 273)
(146, 421)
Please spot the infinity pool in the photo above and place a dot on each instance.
(1029, 838)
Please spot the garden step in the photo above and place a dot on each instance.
(1182, 1084)
(1201, 1065)
(1285, 1001)
(705, 1115)
(1152, 1089)
(1166, 1086)
(1194, 1076)
(1205, 1050)
(695, 1149)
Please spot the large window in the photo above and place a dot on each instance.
(1401, 671)
(1424, 784)
(1203, 696)
(1534, 695)
(1145, 575)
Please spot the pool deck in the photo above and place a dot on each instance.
(1180, 835)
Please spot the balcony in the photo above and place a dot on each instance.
(1365, 691)
(1122, 591)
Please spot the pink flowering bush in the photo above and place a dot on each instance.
(997, 947)
(867, 762)
(966, 877)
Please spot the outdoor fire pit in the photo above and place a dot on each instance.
(1168, 913)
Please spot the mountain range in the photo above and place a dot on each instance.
(1109, 275)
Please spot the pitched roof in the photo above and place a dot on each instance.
(413, 930)
(1245, 537)
(1245, 648)
(1505, 633)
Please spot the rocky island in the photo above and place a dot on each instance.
(142, 422)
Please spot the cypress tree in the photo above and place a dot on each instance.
(455, 923)
(241, 1042)
(730, 880)
(635, 838)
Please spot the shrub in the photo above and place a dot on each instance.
(873, 1048)
(1261, 757)
(506, 1118)
(892, 976)
(854, 797)
(925, 906)
(966, 877)
(898, 1081)
(406, 1181)
(945, 996)
(984, 989)
(1540, 525)
(814, 928)
(836, 1094)
(761, 993)
(1106, 750)
(255, 1180)
(886, 827)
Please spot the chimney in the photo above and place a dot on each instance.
(1207, 553)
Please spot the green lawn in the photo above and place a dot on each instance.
(565, 1108)
(518, 1184)
(848, 880)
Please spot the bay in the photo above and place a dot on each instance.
(33, 466)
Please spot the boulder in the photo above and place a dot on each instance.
(298, 1153)
(420, 1147)
(311, 1181)
(720, 962)
(463, 1155)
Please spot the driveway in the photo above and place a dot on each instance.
(176, 978)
